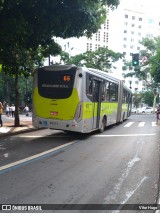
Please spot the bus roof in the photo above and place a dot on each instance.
(97, 72)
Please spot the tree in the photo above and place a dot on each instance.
(149, 70)
(101, 59)
(28, 28)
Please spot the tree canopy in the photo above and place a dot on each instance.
(102, 58)
(28, 28)
(149, 69)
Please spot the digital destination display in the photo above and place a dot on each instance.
(66, 78)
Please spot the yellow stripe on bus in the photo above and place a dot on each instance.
(62, 109)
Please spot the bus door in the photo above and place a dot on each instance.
(97, 85)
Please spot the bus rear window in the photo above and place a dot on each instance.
(56, 84)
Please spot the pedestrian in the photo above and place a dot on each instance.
(13, 110)
(1, 111)
(10, 111)
(158, 113)
(7, 110)
(26, 110)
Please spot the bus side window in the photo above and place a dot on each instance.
(124, 100)
(113, 92)
(89, 86)
(103, 98)
(107, 91)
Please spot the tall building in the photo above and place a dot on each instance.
(76, 46)
(122, 31)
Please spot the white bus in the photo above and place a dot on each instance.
(79, 99)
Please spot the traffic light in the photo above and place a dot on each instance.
(135, 59)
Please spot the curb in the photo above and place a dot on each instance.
(10, 133)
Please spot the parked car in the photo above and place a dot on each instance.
(134, 110)
(145, 110)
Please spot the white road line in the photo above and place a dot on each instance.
(35, 156)
(131, 193)
(126, 135)
(129, 124)
(40, 136)
(154, 124)
(141, 124)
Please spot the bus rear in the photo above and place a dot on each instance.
(56, 101)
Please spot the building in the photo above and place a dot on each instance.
(122, 31)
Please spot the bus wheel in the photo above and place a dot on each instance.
(102, 125)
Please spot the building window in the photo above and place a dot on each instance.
(87, 46)
(132, 40)
(132, 25)
(131, 46)
(125, 39)
(90, 46)
(96, 36)
(124, 53)
(132, 32)
(99, 34)
(140, 19)
(138, 48)
(107, 24)
(124, 45)
(105, 37)
(149, 36)
(133, 17)
(139, 26)
(126, 16)
(125, 31)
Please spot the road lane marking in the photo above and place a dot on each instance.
(112, 195)
(16, 163)
(154, 124)
(125, 135)
(129, 124)
(141, 124)
(129, 194)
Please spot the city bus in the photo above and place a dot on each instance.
(78, 99)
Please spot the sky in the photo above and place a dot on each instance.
(152, 7)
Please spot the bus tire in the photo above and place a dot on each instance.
(102, 125)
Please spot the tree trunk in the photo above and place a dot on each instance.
(16, 121)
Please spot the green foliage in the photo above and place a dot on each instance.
(146, 96)
(7, 90)
(101, 59)
(137, 99)
(155, 67)
(153, 54)
(28, 28)
(150, 44)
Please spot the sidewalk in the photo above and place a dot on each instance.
(8, 125)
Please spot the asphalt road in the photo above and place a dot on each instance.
(119, 166)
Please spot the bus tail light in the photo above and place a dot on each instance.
(78, 114)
